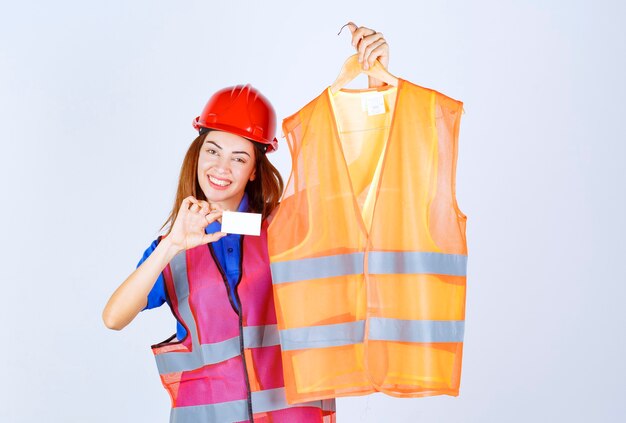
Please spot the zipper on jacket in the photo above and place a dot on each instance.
(240, 314)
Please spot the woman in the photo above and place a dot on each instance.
(224, 365)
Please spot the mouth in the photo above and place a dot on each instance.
(219, 183)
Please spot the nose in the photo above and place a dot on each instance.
(223, 165)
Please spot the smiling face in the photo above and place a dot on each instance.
(225, 165)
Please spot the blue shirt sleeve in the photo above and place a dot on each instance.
(156, 297)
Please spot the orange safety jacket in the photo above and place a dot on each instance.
(367, 249)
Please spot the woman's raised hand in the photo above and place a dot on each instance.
(193, 217)
(370, 45)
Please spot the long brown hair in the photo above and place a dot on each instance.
(263, 192)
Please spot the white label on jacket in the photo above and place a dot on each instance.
(241, 223)
(374, 103)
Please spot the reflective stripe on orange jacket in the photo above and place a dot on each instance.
(367, 249)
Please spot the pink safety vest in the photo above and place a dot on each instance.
(228, 368)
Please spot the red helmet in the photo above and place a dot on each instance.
(243, 111)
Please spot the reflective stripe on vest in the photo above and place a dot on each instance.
(233, 411)
(379, 330)
(367, 249)
(226, 401)
(380, 262)
(253, 337)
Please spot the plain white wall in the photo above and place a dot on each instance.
(96, 103)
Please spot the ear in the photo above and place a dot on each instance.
(253, 175)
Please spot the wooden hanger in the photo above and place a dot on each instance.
(352, 68)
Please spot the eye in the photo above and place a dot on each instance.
(211, 151)
(240, 160)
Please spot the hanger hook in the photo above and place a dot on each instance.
(339, 33)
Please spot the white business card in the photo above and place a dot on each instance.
(241, 223)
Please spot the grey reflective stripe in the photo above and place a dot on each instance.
(254, 337)
(381, 262)
(318, 267)
(231, 411)
(322, 336)
(260, 336)
(275, 399)
(178, 266)
(211, 353)
(380, 329)
(416, 330)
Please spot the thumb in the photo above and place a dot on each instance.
(207, 238)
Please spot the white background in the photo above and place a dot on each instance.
(96, 104)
